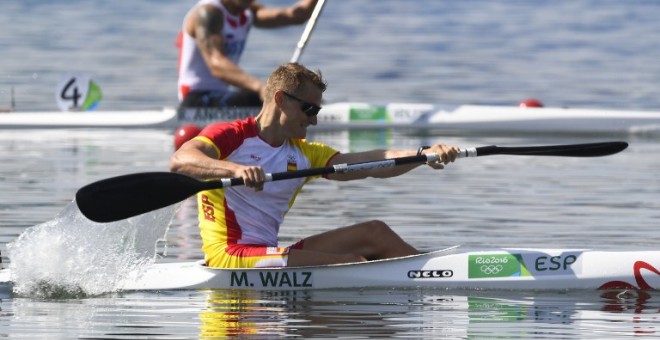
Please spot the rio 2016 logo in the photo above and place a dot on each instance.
(495, 265)
(77, 93)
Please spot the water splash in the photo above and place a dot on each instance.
(71, 256)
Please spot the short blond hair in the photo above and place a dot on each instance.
(290, 78)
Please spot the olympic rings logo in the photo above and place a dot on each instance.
(491, 269)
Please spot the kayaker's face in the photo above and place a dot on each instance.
(300, 110)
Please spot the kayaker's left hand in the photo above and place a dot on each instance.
(446, 154)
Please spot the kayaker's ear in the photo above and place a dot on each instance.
(277, 97)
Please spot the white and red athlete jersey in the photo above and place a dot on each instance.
(194, 74)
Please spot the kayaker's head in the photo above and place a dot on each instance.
(297, 92)
(237, 6)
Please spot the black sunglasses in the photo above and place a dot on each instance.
(309, 109)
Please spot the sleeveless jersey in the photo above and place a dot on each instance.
(241, 215)
(194, 74)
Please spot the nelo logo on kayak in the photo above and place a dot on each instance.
(430, 274)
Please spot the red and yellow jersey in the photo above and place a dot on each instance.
(240, 215)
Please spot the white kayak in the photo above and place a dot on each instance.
(454, 267)
(465, 118)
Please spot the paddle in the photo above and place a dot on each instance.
(311, 23)
(126, 196)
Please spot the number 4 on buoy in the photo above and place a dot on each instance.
(76, 92)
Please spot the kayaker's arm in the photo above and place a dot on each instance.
(199, 160)
(271, 17)
(447, 154)
(205, 25)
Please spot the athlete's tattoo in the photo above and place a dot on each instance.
(209, 25)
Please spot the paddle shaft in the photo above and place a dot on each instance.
(311, 23)
(569, 150)
(338, 168)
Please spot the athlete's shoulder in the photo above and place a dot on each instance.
(304, 143)
(318, 153)
(244, 127)
(228, 136)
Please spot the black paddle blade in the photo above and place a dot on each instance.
(567, 150)
(121, 197)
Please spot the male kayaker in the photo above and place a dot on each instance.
(239, 224)
(212, 40)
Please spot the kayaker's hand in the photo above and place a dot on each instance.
(447, 154)
(253, 176)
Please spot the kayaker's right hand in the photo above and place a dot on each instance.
(253, 176)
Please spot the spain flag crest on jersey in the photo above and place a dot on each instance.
(291, 164)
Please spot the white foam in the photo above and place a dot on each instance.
(73, 256)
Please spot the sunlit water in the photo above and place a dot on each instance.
(591, 54)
